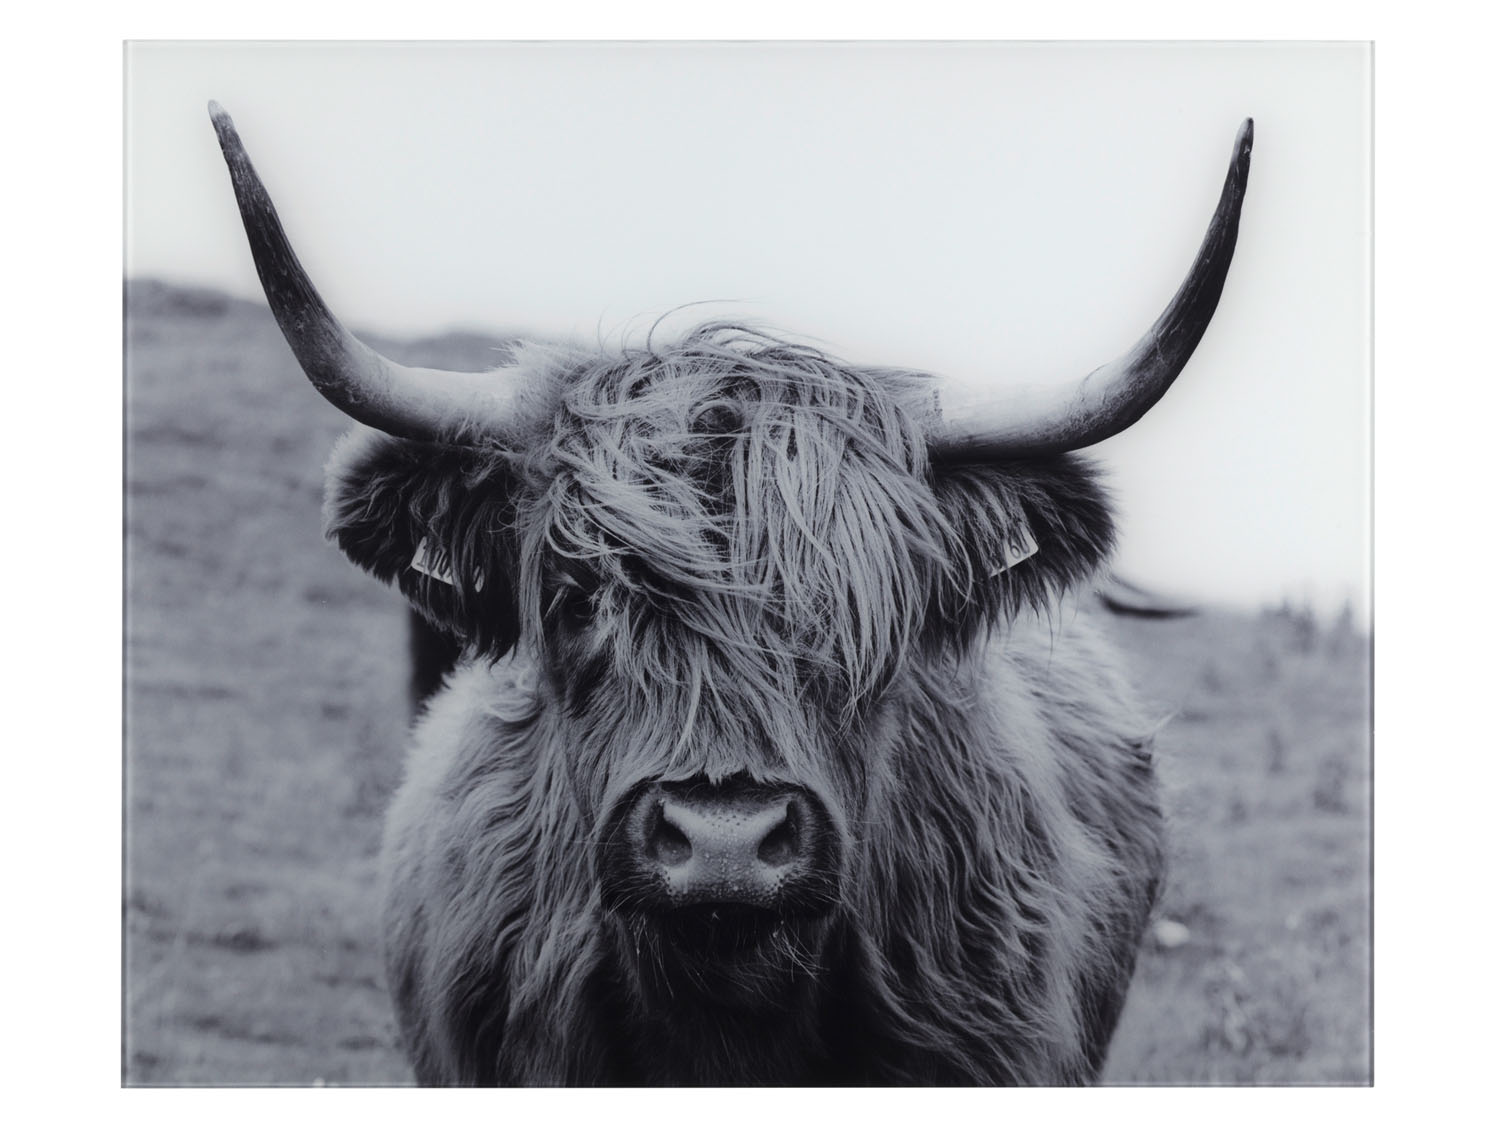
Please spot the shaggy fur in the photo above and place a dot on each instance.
(731, 558)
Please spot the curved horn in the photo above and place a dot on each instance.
(412, 402)
(976, 426)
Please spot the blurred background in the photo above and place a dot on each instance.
(997, 212)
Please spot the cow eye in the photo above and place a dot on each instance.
(576, 609)
(572, 604)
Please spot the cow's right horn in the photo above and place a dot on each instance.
(412, 402)
(1035, 420)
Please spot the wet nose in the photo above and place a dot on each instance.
(689, 844)
(724, 848)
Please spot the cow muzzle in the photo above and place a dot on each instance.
(682, 850)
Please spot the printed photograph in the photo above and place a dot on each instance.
(747, 564)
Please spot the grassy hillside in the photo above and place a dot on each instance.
(1266, 778)
(264, 715)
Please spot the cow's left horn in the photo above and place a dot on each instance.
(974, 426)
(412, 402)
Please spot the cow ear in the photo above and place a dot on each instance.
(438, 522)
(1026, 532)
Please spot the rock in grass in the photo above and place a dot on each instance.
(1170, 934)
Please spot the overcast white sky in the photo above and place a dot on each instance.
(1002, 212)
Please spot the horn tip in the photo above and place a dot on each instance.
(229, 138)
(1245, 138)
(223, 123)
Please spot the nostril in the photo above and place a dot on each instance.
(779, 846)
(665, 842)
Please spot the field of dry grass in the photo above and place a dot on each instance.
(264, 714)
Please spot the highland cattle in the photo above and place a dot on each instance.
(773, 755)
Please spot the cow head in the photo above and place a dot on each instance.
(724, 557)
(727, 560)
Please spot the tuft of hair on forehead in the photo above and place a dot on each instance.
(736, 492)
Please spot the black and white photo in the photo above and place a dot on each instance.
(747, 564)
